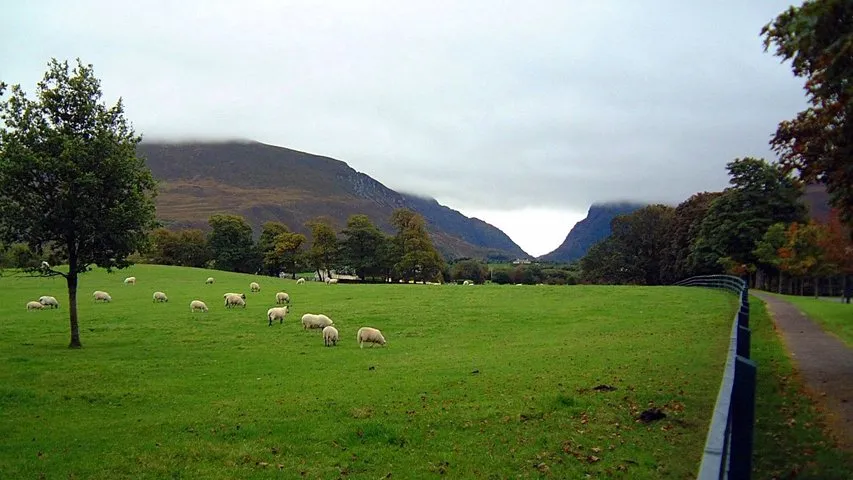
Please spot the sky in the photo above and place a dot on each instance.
(522, 114)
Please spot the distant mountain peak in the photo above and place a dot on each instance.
(591, 230)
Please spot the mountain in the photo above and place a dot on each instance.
(589, 231)
(268, 183)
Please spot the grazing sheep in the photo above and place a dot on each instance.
(102, 296)
(330, 336)
(300, 281)
(254, 287)
(310, 320)
(198, 305)
(235, 300)
(34, 305)
(130, 281)
(160, 297)
(331, 281)
(369, 335)
(48, 301)
(282, 297)
(277, 313)
(241, 295)
(45, 266)
(467, 282)
(209, 281)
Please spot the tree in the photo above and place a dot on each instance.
(288, 251)
(70, 177)
(761, 194)
(767, 250)
(324, 246)
(271, 262)
(418, 259)
(187, 248)
(817, 37)
(838, 247)
(361, 247)
(686, 221)
(802, 255)
(230, 240)
(469, 269)
(633, 252)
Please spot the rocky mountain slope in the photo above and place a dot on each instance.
(264, 182)
(589, 231)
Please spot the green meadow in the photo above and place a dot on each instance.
(475, 382)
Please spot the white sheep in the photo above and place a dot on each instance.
(330, 336)
(130, 281)
(369, 335)
(310, 320)
(102, 296)
(48, 301)
(254, 287)
(300, 281)
(209, 281)
(282, 297)
(45, 266)
(160, 297)
(466, 282)
(332, 281)
(235, 300)
(277, 313)
(34, 306)
(241, 295)
(198, 305)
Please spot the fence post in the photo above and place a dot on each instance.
(743, 419)
(743, 338)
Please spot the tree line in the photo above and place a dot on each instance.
(360, 249)
(757, 228)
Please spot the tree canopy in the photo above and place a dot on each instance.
(230, 240)
(817, 38)
(70, 179)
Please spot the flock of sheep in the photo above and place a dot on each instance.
(310, 321)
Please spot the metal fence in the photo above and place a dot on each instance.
(728, 446)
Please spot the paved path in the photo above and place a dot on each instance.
(823, 361)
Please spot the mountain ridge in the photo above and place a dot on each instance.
(270, 183)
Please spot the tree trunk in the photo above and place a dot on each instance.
(802, 287)
(779, 286)
(72, 309)
(816, 287)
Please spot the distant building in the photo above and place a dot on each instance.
(521, 261)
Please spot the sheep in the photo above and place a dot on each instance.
(198, 305)
(466, 282)
(34, 306)
(309, 321)
(209, 281)
(277, 313)
(300, 281)
(235, 300)
(332, 281)
(130, 281)
(369, 335)
(282, 297)
(241, 295)
(103, 296)
(330, 336)
(254, 287)
(160, 297)
(45, 265)
(48, 301)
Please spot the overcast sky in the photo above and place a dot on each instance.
(519, 113)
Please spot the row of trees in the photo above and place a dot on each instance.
(756, 228)
(361, 248)
(530, 274)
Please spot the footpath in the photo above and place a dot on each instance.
(824, 363)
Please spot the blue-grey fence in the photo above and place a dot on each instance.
(728, 446)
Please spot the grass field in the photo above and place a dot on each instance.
(832, 315)
(476, 382)
(789, 437)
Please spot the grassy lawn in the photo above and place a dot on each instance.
(789, 438)
(476, 382)
(832, 315)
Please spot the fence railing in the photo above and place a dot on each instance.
(728, 446)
